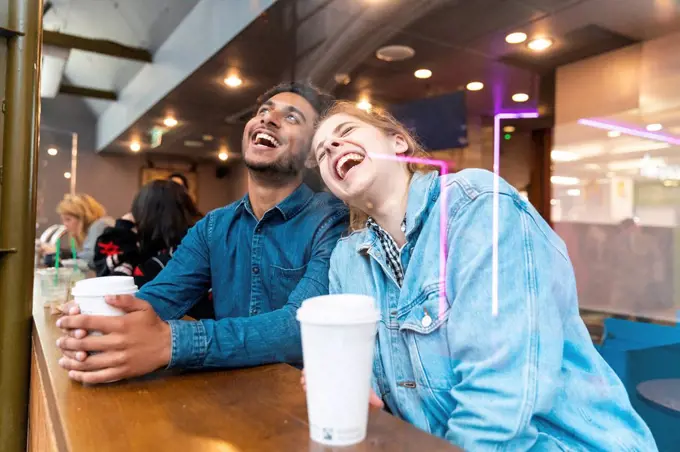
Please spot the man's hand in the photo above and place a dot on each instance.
(373, 399)
(134, 344)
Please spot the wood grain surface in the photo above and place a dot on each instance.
(258, 409)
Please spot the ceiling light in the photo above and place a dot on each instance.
(364, 104)
(233, 81)
(520, 97)
(613, 134)
(564, 180)
(475, 86)
(223, 156)
(207, 137)
(509, 129)
(540, 44)
(516, 38)
(554, 202)
(67, 175)
(395, 53)
(563, 156)
(573, 192)
(654, 127)
(135, 146)
(423, 73)
(52, 151)
(170, 121)
(342, 78)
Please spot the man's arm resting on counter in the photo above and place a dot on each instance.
(261, 339)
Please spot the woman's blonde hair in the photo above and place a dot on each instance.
(83, 207)
(385, 122)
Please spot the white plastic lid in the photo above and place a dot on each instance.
(345, 309)
(105, 285)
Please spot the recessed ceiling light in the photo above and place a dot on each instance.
(540, 44)
(207, 137)
(520, 97)
(342, 78)
(52, 151)
(233, 81)
(613, 134)
(563, 156)
(67, 175)
(573, 192)
(395, 53)
(223, 156)
(475, 86)
(170, 121)
(654, 127)
(423, 73)
(565, 180)
(516, 37)
(554, 202)
(135, 146)
(364, 104)
(509, 129)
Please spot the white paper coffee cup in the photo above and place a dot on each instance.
(338, 340)
(89, 294)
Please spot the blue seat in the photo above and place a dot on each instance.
(640, 352)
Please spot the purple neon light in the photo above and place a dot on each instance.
(443, 170)
(496, 199)
(630, 131)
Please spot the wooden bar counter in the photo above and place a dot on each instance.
(258, 409)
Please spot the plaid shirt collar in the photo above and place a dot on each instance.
(390, 247)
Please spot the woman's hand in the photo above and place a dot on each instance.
(373, 399)
(47, 248)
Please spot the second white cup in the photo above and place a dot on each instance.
(89, 294)
(338, 339)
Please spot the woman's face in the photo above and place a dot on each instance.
(353, 156)
(71, 223)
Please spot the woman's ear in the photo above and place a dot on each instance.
(399, 143)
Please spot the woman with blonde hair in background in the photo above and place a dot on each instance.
(85, 220)
(524, 377)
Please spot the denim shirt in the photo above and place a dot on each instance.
(528, 377)
(259, 271)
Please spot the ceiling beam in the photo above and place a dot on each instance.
(101, 46)
(87, 92)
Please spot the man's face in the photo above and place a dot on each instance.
(277, 140)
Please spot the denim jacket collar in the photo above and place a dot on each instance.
(289, 207)
(422, 192)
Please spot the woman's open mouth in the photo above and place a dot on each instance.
(346, 163)
(264, 140)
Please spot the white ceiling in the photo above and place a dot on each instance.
(137, 23)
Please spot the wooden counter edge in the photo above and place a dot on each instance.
(45, 395)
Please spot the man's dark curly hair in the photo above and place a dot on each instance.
(318, 99)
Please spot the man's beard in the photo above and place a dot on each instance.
(283, 169)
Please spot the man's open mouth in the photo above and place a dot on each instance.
(346, 163)
(264, 139)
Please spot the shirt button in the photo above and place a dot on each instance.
(254, 311)
(256, 270)
(427, 321)
(258, 229)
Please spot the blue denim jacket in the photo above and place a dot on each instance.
(526, 378)
(260, 272)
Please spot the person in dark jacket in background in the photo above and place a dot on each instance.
(143, 241)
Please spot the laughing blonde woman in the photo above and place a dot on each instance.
(526, 378)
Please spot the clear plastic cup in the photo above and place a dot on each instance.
(338, 341)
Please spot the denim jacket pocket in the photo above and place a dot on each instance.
(284, 281)
(424, 328)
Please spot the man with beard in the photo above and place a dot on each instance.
(262, 256)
